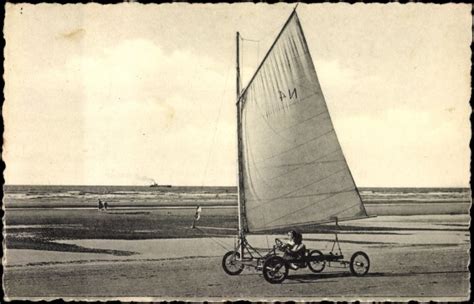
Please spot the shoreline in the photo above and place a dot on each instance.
(415, 232)
(111, 208)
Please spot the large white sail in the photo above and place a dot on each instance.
(294, 172)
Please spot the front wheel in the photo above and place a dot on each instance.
(316, 266)
(231, 263)
(359, 264)
(275, 270)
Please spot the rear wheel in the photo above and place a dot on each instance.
(231, 263)
(359, 264)
(275, 270)
(316, 266)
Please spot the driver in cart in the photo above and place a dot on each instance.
(294, 248)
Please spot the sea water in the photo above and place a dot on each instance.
(377, 200)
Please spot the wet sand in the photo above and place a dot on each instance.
(412, 257)
(421, 275)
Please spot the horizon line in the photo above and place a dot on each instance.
(234, 186)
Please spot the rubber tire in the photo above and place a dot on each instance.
(270, 263)
(351, 264)
(315, 270)
(224, 265)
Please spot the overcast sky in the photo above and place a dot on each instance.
(122, 94)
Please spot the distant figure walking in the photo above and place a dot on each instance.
(101, 206)
(105, 206)
(197, 216)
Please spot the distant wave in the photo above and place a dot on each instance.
(88, 196)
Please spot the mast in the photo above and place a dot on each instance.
(239, 150)
(240, 186)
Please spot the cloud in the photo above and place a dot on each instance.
(134, 107)
(103, 104)
(396, 131)
(404, 147)
(158, 109)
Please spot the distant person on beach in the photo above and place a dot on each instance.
(197, 216)
(105, 206)
(101, 206)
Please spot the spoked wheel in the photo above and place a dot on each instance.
(316, 266)
(231, 263)
(359, 264)
(275, 270)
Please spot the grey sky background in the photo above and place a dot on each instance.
(121, 94)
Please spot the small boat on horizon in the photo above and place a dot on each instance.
(155, 185)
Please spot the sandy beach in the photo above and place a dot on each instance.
(412, 257)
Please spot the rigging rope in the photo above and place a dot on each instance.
(242, 62)
(216, 123)
(245, 39)
(221, 244)
(258, 50)
(270, 34)
(215, 129)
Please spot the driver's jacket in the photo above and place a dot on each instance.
(296, 251)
